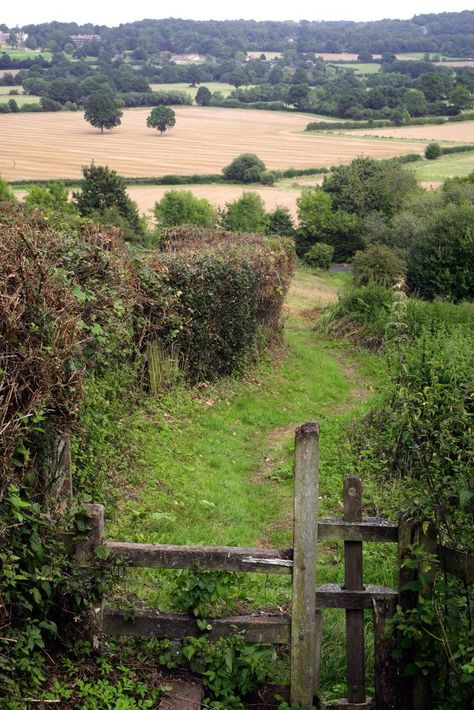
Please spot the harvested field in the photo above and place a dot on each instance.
(217, 195)
(461, 132)
(341, 56)
(204, 140)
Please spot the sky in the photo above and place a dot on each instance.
(114, 13)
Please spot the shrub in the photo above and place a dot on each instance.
(280, 222)
(319, 256)
(432, 151)
(226, 292)
(440, 263)
(361, 313)
(424, 452)
(247, 214)
(178, 207)
(101, 190)
(267, 178)
(378, 264)
(245, 168)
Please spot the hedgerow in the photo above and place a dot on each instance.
(227, 292)
(76, 315)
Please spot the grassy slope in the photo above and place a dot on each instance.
(216, 464)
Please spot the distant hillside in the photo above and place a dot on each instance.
(449, 33)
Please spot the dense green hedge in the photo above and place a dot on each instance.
(227, 291)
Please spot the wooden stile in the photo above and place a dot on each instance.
(353, 582)
(303, 616)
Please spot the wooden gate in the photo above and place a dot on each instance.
(302, 629)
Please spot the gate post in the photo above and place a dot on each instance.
(304, 640)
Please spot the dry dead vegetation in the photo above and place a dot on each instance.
(204, 140)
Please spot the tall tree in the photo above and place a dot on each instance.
(101, 111)
(161, 118)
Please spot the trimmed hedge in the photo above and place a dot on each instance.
(226, 290)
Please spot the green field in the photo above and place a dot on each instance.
(420, 55)
(21, 99)
(358, 67)
(211, 85)
(445, 167)
(25, 53)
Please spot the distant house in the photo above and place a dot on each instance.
(79, 40)
(185, 58)
(21, 37)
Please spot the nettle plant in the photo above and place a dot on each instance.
(229, 667)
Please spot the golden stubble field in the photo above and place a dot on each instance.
(204, 140)
(461, 132)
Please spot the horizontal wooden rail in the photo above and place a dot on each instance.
(152, 624)
(246, 559)
(461, 564)
(233, 559)
(334, 596)
(256, 628)
(367, 530)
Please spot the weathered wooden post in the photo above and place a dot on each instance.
(304, 651)
(414, 691)
(385, 666)
(84, 555)
(353, 581)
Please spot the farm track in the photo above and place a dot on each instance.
(204, 140)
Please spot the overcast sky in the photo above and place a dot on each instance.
(112, 14)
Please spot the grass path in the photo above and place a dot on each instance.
(216, 465)
(203, 450)
(216, 461)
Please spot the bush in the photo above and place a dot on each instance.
(361, 313)
(226, 293)
(378, 264)
(245, 168)
(424, 453)
(103, 190)
(319, 256)
(247, 214)
(432, 151)
(440, 263)
(182, 207)
(280, 222)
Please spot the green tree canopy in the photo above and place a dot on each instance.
(161, 118)
(247, 167)
(178, 207)
(203, 96)
(247, 214)
(101, 110)
(367, 185)
(441, 261)
(103, 196)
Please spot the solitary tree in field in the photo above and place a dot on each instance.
(161, 118)
(203, 96)
(102, 110)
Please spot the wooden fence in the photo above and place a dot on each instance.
(302, 629)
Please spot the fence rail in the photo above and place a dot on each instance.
(302, 629)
